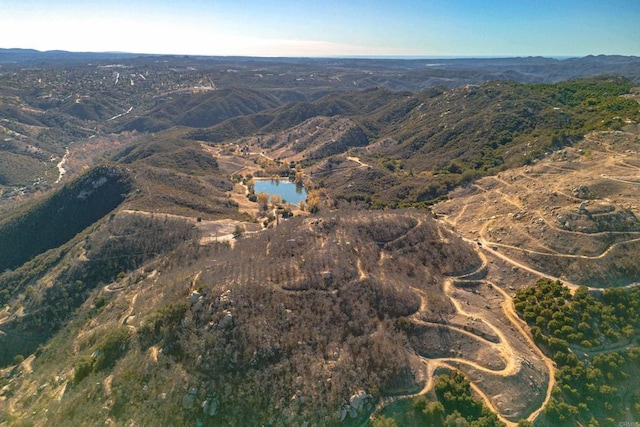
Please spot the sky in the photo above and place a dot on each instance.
(430, 28)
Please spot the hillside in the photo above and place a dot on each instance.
(49, 100)
(55, 220)
(418, 147)
(201, 109)
(465, 252)
(352, 302)
(573, 215)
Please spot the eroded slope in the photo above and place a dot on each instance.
(573, 215)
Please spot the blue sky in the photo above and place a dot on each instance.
(326, 27)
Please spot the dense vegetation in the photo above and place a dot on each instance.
(454, 405)
(115, 247)
(590, 389)
(55, 220)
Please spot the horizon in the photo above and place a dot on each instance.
(327, 28)
(372, 57)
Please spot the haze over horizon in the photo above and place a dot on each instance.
(466, 28)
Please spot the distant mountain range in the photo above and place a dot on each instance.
(32, 56)
(523, 69)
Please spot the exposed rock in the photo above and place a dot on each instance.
(226, 321)
(210, 407)
(352, 412)
(197, 307)
(342, 413)
(358, 400)
(223, 300)
(195, 297)
(189, 399)
(297, 398)
(581, 192)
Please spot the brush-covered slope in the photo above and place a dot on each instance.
(418, 147)
(43, 295)
(176, 175)
(56, 250)
(292, 322)
(291, 115)
(56, 219)
(202, 110)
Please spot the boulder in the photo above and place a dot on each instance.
(226, 321)
(195, 297)
(210, 407)
(358, 400)
(342, 413)
(197, 306)
(582, 192)
(189, 399)
(352, 412)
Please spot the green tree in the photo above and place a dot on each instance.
(384, 421)
(434, 412)
(455, 419)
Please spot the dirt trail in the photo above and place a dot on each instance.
(619, 179)
(541, 191)
(522, 327)
(363, 274)
(358, 161)
(507, 353)
(571, 286)
(503, 348)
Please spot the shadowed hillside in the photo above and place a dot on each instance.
(56, 219)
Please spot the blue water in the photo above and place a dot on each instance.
(287, 190)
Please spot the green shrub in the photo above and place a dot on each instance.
(161, 322)
(111, 347)
(82, 368)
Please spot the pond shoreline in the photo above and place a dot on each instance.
(287, 190)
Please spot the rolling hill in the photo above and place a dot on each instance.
(454, 210)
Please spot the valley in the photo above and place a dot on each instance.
(147, 280)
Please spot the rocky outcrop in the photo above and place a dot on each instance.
(358, 404)
(189, 398)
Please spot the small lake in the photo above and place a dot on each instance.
(287, 190)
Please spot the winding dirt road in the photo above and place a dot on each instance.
(507, 353)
